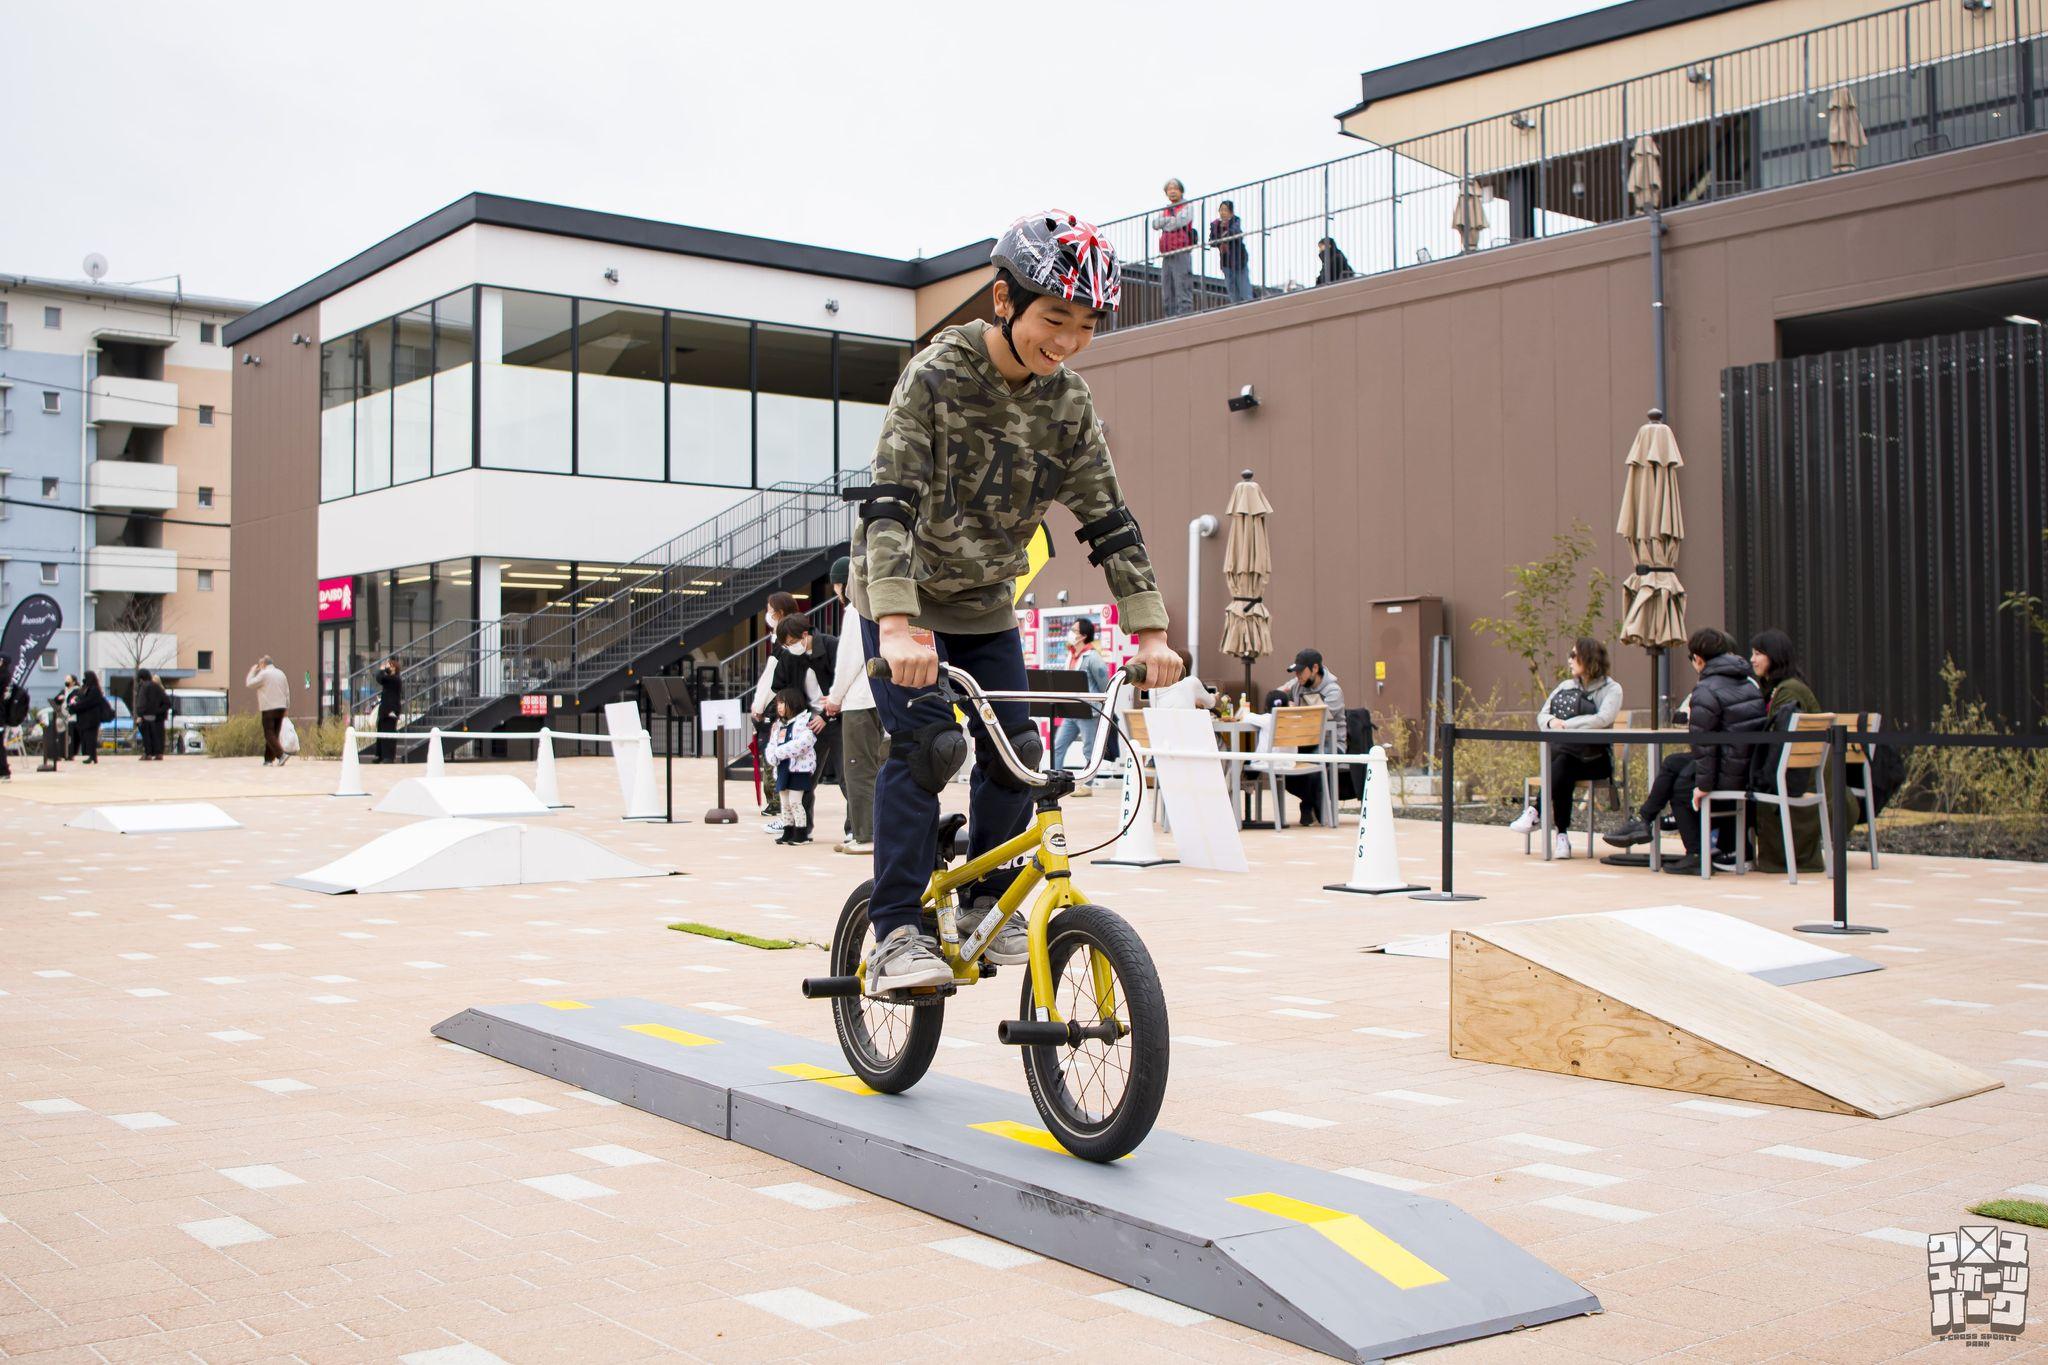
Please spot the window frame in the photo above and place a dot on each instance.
(204, 661)
(205, 495)
(204, 580)
(206, 414)
(53, 402)
(53, 487)
(209, 335)
(47, 573)
(53, 317)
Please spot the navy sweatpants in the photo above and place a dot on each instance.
(906, 815)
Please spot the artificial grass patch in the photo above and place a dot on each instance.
(2013, 1211)
(735, 936)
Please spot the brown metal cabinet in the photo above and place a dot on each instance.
(1397, 648)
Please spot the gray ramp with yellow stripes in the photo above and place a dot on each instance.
(1345, 1267)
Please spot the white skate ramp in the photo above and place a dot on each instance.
(156, 818)
(436, 797)
(1765, 954)
(439, 855)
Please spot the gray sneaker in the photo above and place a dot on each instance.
(905, 960)
(1012, 943)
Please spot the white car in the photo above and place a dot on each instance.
(193, 711)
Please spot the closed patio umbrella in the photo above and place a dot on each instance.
(1468, 219)
(1247, 565)
(1653, 523)
(1846, 138)
(1646, 174)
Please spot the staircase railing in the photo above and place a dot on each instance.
(415, 657)
(600, 628)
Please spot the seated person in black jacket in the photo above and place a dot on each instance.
(1726, 700)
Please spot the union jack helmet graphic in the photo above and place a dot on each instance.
(1056, 254)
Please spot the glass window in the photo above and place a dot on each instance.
(868, 371)
(453, 594)
(206, 334)
(206, 414)
(412, 368)
(205, 661)
(373, 407)
(53, 317)
(206, 580)
(527, 585)
(710, 401)
(794, 405)
(412, 604)
(524, 341)
(49, 572)
(53, 401)
(205, 495)
(454, 353)
(49, 487)
(373, 612)
(337, 419)
(618, 394)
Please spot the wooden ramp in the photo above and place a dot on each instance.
(1594, 997)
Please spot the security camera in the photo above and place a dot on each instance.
(248, 359)
(832, 305)
(1245, 400)
(611, 274)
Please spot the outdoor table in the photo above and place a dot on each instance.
(1237, 737)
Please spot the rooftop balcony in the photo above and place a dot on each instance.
(130, 568)
(1913, 81)
(134, 402)
(112, 485)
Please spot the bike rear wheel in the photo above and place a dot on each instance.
(889, 1046)
(1099, 1098)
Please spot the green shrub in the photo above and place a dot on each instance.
(236, 737)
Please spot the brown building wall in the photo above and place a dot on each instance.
(1419, 432)
(275, 509)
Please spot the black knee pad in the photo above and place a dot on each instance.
(1030, 753)
(933, 752)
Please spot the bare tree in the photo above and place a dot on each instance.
(139, 642)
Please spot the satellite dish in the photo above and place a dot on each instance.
(95, 267)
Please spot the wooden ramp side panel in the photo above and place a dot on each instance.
(1511, 1011)
(1594, 996)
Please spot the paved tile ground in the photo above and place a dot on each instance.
(228, 1135)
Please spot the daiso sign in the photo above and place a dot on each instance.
(337, 599)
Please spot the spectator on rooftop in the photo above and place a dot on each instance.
(1176, 225)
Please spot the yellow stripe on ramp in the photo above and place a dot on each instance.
(565, 1004)
(1026, 1134)
(838, 1080)
(671, 1035)
(1387, 1258)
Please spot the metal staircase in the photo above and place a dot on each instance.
(589, 645)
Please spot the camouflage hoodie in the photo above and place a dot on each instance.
(986, 462)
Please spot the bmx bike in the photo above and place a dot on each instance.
(1092, 1026)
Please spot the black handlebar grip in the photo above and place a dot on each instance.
(878, 668)
(1135, 671)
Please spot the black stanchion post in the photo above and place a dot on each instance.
(1447, 744)
(1838, 837)
(720, 814)
(668, 768)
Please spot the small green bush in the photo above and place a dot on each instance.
(236, 737)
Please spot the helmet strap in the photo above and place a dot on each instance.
(1011, 342)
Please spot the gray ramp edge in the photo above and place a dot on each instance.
(1160, 1221)
(1845, 965)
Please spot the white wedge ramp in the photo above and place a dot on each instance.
(166, 817)
(473, 797)
(439, 855)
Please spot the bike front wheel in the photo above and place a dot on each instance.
(1099, 1097)
(889, 1046)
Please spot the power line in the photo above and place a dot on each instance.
(152, 402)
(156, 518)
(220, 494)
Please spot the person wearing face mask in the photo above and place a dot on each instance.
(780, 604)
(792, 668)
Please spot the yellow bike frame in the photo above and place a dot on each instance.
(1046, 843)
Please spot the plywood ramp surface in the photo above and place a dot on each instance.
(1595, 997)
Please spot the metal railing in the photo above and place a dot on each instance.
(440, 649)
(592, 633)
(1921, 78)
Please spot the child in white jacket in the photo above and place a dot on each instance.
(793, 749)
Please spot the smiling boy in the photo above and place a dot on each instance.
(986, 429)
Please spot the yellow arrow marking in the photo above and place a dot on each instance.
(1394, 1263)
(1026, 1134)
(838, 1080)
(672, 1035)
(565, 1004)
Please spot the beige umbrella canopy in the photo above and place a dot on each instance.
(1468, 219)
(1846, 138)
(1653, 523)
(1247, 565)
(1646, 174)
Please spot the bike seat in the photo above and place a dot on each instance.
(949, 839)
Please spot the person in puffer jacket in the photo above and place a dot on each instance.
(1726, 700)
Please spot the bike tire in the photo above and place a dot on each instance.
(1101, 1132)
(912, 1031)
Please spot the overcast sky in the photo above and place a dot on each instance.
(251, 146)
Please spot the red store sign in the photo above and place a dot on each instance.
(337, 599)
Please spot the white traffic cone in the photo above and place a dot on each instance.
(351, 783)
(544, 785)
(436, 763)
(1375, 865)
(1137, 846)
(646, 801)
